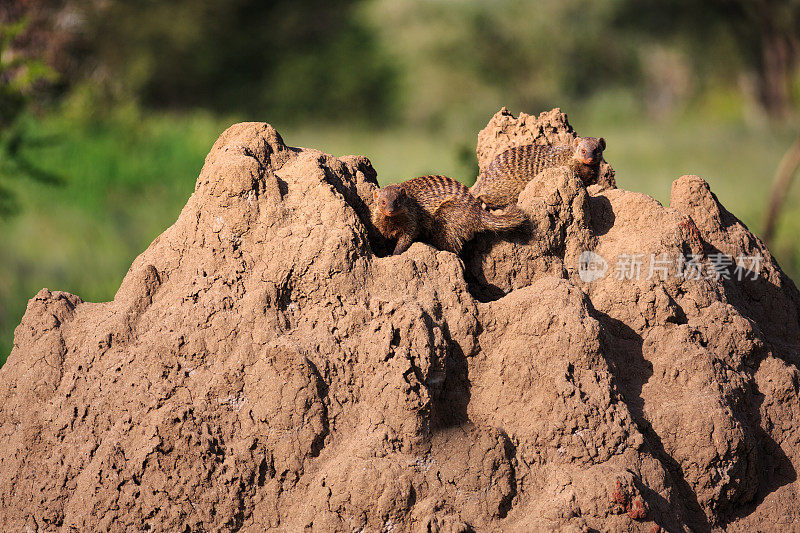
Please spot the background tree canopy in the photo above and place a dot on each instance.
(269, 58)
(425, 61)
(274, 58)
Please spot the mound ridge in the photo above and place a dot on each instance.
(265, 365)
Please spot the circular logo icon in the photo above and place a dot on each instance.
(591, 266)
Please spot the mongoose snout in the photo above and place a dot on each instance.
(389, 199)
(589, 150)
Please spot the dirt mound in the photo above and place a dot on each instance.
(265, 365)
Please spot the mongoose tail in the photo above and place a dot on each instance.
(512, 218)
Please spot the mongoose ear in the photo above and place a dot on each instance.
(576, 142)
(602, 143)
(375, 194)
(402, 192)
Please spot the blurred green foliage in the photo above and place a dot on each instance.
(279, 59)
(19, 75)
(463, 59)
(442, 64)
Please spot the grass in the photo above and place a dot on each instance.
(126, 179)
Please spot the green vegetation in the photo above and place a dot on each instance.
(18, 76)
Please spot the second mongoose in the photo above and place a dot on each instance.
(505, 177)
(438, 210)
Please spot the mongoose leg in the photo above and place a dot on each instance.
(403, 243)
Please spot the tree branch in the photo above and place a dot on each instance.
(780, 188)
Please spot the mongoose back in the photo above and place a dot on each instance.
(438, 210)
(505, 177)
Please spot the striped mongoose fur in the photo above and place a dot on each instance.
(505, 177)
(438, 210)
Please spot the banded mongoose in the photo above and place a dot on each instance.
(438, 210)
(500, 184)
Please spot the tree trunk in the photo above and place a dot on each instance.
(777, 60)
(786, 172)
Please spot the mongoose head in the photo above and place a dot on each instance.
(589, 150)
(390, 199)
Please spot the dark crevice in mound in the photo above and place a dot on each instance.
(450, 409)
(479, 286)
(602, 215)
(481, 289)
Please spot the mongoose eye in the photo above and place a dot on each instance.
(383, 201)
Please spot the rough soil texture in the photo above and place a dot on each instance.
(264, 365)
